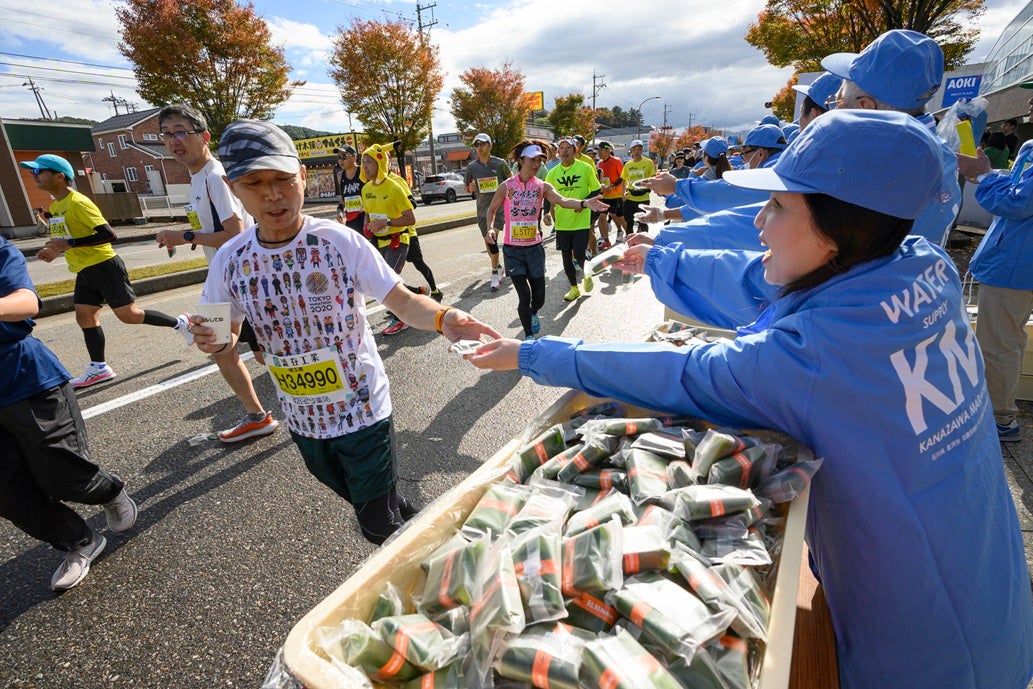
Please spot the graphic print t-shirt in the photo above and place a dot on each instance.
(306, 302)
(574, 182)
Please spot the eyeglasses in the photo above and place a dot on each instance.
(481, 143)
(834, 101)
(748, 150)
(178, 136)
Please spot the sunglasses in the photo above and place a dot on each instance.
(178, 136)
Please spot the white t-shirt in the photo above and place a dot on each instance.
(306, 302)
(207, 184)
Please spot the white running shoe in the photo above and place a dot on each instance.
(120, 512)
(495, 280)
(182, 327)
(95, 373)
(77, 563)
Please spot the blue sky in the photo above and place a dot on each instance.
(690, 53)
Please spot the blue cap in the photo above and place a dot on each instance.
(844, 154)
(821, 89)
(765, 136)
(902, 68)
(249, 145)
(793, 136)
(49, 161)
(788, 130)
(771, 119)
(715, 146)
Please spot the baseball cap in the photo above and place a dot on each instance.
(765, 136)
(248, 145)
(482, 137)
(821, 89)
(846, 154)
(901, 67)
(49, 161)
(346, 149)
(579, 139)
(590, 149)
(605, 144)
(715, 147)
(770, 119)
(532, 151)
(636, 142)
(566, 139)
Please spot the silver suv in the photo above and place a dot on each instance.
(444, 185)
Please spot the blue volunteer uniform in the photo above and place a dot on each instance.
(697, 196)
(1005, 256)
(728, 229)
(936, 220)
(912, 528)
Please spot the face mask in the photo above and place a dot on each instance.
(746, 166)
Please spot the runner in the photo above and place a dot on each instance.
(638, 168)
(215, 216)
(80, 232)
(612, 190)
(349, 209)
(574, 179)
(483, 177)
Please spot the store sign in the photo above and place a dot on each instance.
(958, 88)
(322, 146)
(536, 99)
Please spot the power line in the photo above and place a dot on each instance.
(107, 36)
(70, 62)
(50, 16)
(66, 71)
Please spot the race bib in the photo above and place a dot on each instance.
(310, 378)
(353, 204)
(636, 174)
(58, 227)
(604, 181)
(523, 229)
(487, 184)
(192, 217)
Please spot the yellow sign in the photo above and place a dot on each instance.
(536, 99)
(322, 146)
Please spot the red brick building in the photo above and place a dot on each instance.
(127, 149)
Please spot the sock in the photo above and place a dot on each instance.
(94, 343)
(259, 416)
(159, 319)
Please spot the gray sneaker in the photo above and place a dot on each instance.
(120, 512)
(77, 563)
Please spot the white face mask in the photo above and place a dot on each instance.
(746, 165)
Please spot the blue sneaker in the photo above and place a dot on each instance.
(536, 325)
(1009, 432)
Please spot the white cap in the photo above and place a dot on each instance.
(482, 137)
(636, 142)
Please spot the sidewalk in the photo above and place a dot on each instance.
(125, 234)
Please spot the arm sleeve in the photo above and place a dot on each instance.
(102, 234)
(721, 288)
(728, 229)
(708, 196)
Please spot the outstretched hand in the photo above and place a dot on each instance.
(459, 325)
(634, 259)
(499, 355)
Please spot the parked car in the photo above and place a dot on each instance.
(445, 185)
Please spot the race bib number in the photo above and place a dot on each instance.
(58, 227)
(636, 175)
(353, 204)
(310, 378)
(192, 217)
(523, 229)
(487, 184)
(604, 181)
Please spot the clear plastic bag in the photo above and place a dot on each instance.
(354, 643)
(647, 476)
(493, 512)
(497, 614)
(450, 578)
(603, 479)
(620, 662)
(665, 444)
(592, 454)
(422, 642)
(707, 501)
(592, 559)
(549, 503)
(614, 504)
(645, 549)
(547, 656)
(537, 452)
(590, 612)
(785, 485)
(538, 566)
(389, 603)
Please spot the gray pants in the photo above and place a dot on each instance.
(1001, 332)
(43, 460)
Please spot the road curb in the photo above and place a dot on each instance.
(63, 303)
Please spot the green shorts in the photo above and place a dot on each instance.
(358, 466)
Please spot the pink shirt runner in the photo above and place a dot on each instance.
(522, 207)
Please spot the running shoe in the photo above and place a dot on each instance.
(536, 325)
(529, 338)
(182, 327)
(1009, 432)
(436, 295)
(249, 429)
(395, 327)
(496, 278)
(603, 245)
(620, 236)
(588, 284)
(120, 512)
(77, 563)
(95, 373)
(573, 294)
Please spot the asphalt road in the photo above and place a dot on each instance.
(234, 545)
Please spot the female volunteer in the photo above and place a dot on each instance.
(867, 356)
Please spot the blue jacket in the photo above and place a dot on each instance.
(912, 527)
(1005, 256)
(731, 228)
(709, 196)
(936, 220)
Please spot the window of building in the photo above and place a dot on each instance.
(111, 150)
(100, 145)
(122, 142)
(150, 137)
(131, 174)
(148, 168)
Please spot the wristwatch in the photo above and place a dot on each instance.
(189, 236)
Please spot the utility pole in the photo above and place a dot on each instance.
(114, 101)
(430, 125)
(596, 88)
(666, 137)
(36, 88)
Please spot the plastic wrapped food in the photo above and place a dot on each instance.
(731, 655)
(592, 559)
(664, 444)
(716, 445)
(422, 642)
(536, 562)
(620, 662)
(591, 613)
(680, 474)
(737, 469)
(500, 503)
(673, 527)
(669, 614)
(603, 479)
(450, 677)
(538, 452)
(735, 549)
(548, 503)
(613, 504)
(498, 612)
(591, 497)
(450, 578)
(692, 503)
(647, 476)
(645, 549)
(619, 426)
(785, 485)
(752, 603)
(547, 656)
(701, 672)
(389, 603)
(703, 580)
(591, 455)
(456, 620)
(354, 643)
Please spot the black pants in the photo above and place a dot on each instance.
(44, 460)
(531, 297)
(415, 257)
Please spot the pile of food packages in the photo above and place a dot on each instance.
(615, 552)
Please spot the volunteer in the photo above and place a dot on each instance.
(866, 355)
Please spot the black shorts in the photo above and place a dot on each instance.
(616, 206)
(525, 261)
(247, 334)
(482, 222)
(572, 239)
(107, 281)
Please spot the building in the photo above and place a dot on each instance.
(128, 156)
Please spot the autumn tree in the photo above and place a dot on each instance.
(689, 136)
(494, 102)
(388, 77)
(661, 142)
(571, 116)
(215, 55)
(618, 117)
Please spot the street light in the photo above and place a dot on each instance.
(638, 130)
